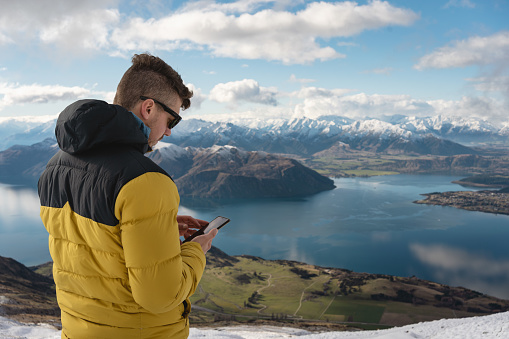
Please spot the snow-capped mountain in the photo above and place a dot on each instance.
(453, 128)
(26, 130)
(309, 136)
(458, 129)
(302, 136)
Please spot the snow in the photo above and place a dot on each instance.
(34, 119)
(13, 329)
(171, 151)
(27, 130)
(494, 326)
(227, 151)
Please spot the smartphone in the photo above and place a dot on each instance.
(218, 222)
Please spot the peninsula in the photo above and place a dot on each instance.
(482, 201)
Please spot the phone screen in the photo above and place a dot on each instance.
(218, 222)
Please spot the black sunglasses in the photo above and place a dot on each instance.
(175, 115)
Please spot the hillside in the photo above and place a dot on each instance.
(485, 180)
(24, 164)
(247, 289)
(347, 162)
(288, 291)
(26, 295)
(216, 172)
(227, 172)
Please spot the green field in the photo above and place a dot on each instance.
(246, 288)
(338, 167)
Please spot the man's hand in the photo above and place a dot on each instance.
(188, 225)
(206, 240)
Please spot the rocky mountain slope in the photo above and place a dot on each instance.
(24, 164)
(217, 172)
(227, 172)
(26, 295)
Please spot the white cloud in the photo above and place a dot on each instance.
(314, 92)
(293, 78)
(72, 25)
(106, 96)
(4, 39)
(474, 107)
(267, 34)
(247, 90)
(198, 97)
(258, 114)
(239, 6)
(246, 29)
(347, 44)
(314, 102)
(491, 84)
(360, 105)
(319, 102)
(459, 3)
(14, 94)
(477, 50)
(384, 71)
(88, 31)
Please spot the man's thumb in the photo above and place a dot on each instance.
(213, 233)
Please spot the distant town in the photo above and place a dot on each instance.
(482, 201)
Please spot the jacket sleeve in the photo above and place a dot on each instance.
(162, 273)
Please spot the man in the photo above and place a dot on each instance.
(119, 267)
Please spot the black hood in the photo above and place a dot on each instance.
(87, 124)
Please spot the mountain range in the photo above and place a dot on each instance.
(395, 134)
(437, 136)
(253, 157)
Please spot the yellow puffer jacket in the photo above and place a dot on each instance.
(119, 268)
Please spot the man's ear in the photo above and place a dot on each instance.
(146, 109)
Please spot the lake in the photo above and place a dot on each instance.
(365, 225)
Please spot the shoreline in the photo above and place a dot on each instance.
(475, 184)
(477, 201)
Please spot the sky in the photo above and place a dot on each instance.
(264, 59)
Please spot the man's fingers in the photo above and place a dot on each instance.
(206, 240)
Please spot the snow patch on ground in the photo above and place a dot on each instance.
(494, 326)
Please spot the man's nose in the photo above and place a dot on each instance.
(167, 132)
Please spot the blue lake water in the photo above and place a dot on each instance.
(365, 225)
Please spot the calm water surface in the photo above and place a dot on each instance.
(365, 224)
